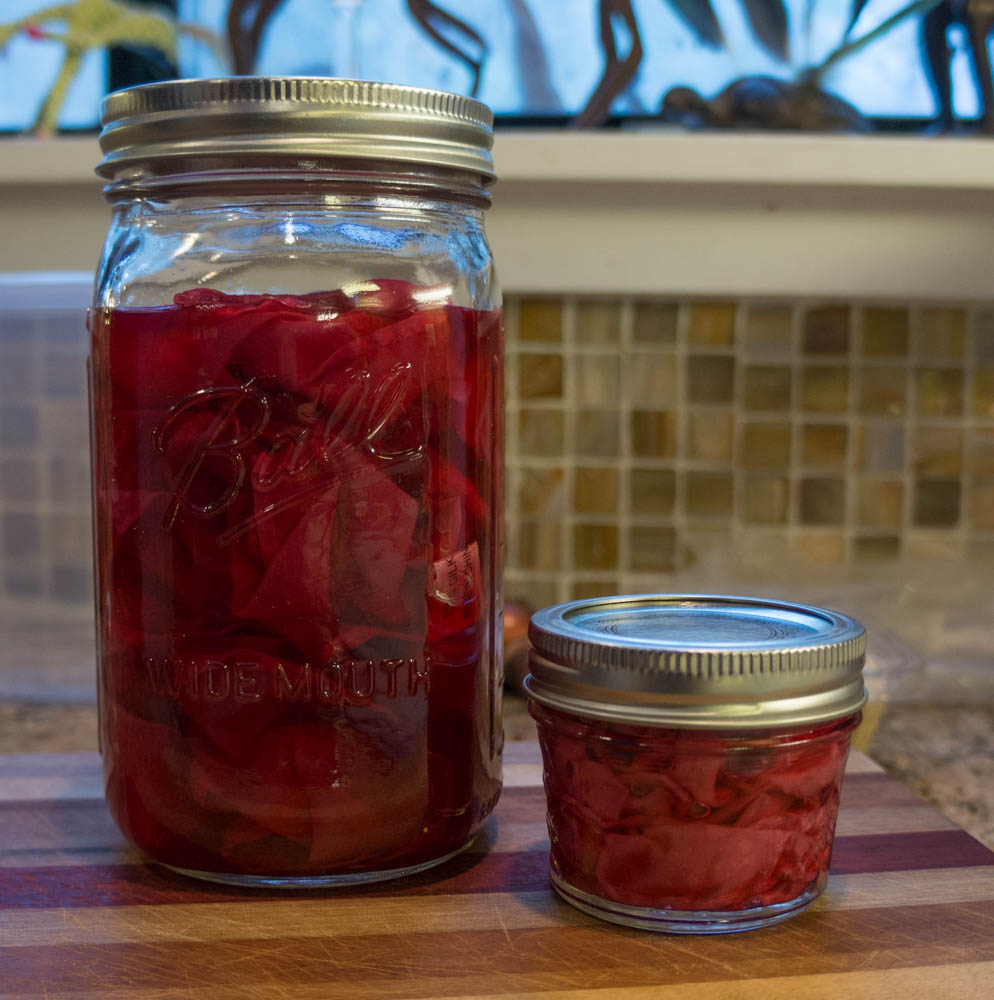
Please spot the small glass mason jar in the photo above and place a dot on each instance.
(693, 750)
(297, 429)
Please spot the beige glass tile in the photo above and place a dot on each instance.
(764, 550)
(64, 427)
(823, 500)
(939, 392)
(765, 499)
(539, 545)
(708, 494)
(602, 587)
(598, 321)
(767, 387)
(595, 490)
(655, 323)
(540, 432)
(710, 378)
(982, 505)
(540, 376)
(19, 370)
(980, 452)
(877, 548)
(65, 377)
(651, 491)
(766, 445)
(885, 332)
(19, 482)
(702, 542)
(826, 330)
(768, 330)
(983, 393)
(880, 447)
(541, 492)
(825, 389)
(651, 548)
(595, 546)
(880, 503)
(69, 479)
(938, 544)
(540, 319)
(653, 379)
(710, 435)
(981, 550)
(19, 426)
(69, 583)
(21, 535)
(824, 444)
(70, 538)
(23, 578)
(941, 335)
(534, 592)
(937, 452)
(653, 433)
(937, 502)
(598, 380)
(983, 337)
(598, 433)
(883, 390)
(711, 324)
(821, 549)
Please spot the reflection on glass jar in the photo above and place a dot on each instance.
(694, 751)
(664, 819)
(298, 453)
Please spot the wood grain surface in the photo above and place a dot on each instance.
(909, 913)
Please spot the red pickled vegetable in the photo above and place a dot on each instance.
(297, 555)
(689, 821)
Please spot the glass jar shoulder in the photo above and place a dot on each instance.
(158, 248)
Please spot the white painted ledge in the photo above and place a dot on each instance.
(649, 212)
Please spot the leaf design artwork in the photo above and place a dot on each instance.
(768, 20)
(699, 16)
(455, 36)
(246, 22)
(857, 9)
(614, 17)
(536, 77)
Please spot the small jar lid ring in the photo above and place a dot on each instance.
(697, 661)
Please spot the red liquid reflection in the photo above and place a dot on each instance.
(297, 559)
(682, 820)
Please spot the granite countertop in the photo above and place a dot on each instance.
(930, 672)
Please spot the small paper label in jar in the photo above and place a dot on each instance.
(455, 581)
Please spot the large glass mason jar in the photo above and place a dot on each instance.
(297, 412)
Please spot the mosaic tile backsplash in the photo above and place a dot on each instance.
(644, 437)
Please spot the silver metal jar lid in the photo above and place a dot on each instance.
(298, 118)
(697, 661)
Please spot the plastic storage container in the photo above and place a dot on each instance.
(694, 748)
(297, 411)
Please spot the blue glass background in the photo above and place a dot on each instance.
(378, 39)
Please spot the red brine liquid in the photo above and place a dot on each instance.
(298, 565)
(681, 820)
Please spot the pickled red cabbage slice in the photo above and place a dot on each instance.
(681, 820)
(284, 485)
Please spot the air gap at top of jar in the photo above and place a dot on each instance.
(694, 748)
(297, 405)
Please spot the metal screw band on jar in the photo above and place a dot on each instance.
(294, 119)
(697, 661)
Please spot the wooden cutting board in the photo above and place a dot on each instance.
(909, 913)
